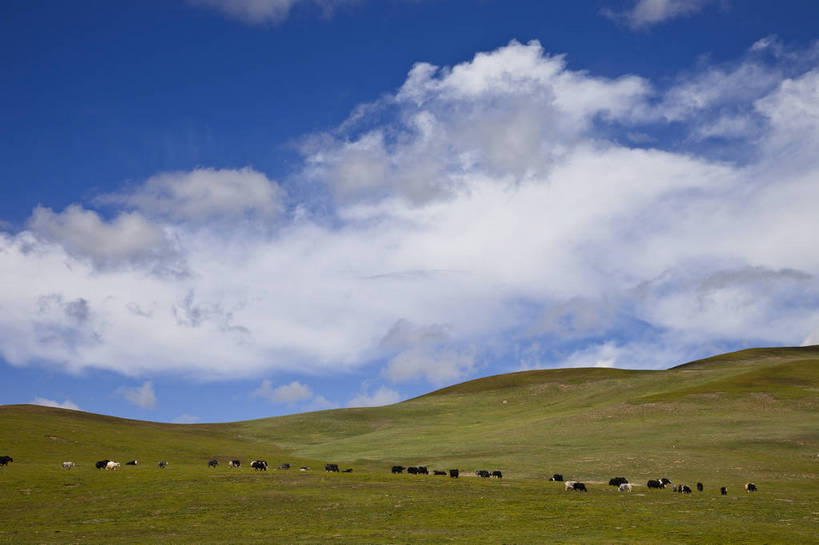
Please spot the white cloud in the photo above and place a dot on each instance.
(481, 206)
(288, 393)
(128, 237)
(320, 403)
(204, 195)
(67, 404)
(649, 12)
(382, 396)
(266, 11)
(141, 396)
(186, 419)
(438, 366)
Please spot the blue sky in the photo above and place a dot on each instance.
(216, 210)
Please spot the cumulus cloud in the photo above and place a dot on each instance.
(287, 393)
(67, 404)
(645, 13)
(141, 396)
(129, 237)
(382, 396)
(266, 11)
(495, 206)
(204, 194)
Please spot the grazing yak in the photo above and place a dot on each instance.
(453, 473)
(234, 463)
(557, 477)
(68, 465)
(683, 489)
(304, 468)
(750, 487)
(576, 486)
(112, 465)
(398, 469)
(162, 465)
(617, 481)
(333, 468)
(348, 470)
(653, 483)
(699, 487)
(213, 463)
(497, 474)
(482, 473)
(624, 487)
(284, 466)
(723, 491)
(665, 482)
(102, 464)
(439, 472)
(131, 463)
(4, 460)
(259, 465)
(412, 470)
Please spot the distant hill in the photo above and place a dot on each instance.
(601, 419)
(724, 421)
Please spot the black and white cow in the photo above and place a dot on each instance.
(162, 465)
(665, 481)
(576, 486)
(557, 477)
(304, 468)
(699, 487)
(624, 487)
(750, 487)
(398, 469)
(131, 463)
(724, 491)
(453, 473)
(69, 465)
(497, 474)
(259, 465)
(684, 489)
(102, 464)
(4, 460)
(653, 483)
(213, 463)
(234, 463)
(333, 468)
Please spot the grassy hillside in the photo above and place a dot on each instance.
(749, 415)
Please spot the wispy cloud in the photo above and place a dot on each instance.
(141, 396)
(186, 419)
(645, 13)
(382, 396)
(267, 11)
(287, 393)
(67, 404)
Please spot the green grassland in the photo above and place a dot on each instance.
(747, 416)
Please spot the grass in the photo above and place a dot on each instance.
(750, 415)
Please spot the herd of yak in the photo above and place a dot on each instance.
(621, 483)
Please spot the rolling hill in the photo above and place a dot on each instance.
(725, 420)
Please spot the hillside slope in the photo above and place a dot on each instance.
(755, 406)
(750, 415)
